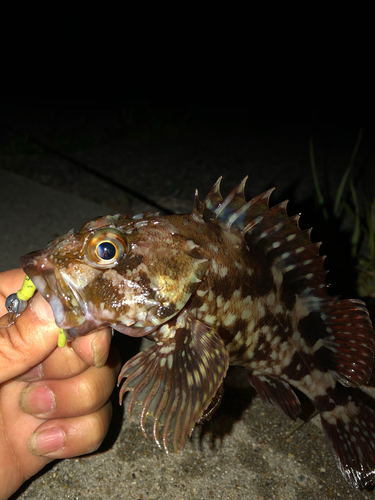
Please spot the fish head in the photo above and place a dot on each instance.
(130, 273)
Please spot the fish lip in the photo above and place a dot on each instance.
(43, 274)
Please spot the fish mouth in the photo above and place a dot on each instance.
(67, 306)
(70, 309)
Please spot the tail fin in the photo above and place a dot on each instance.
(350, 433)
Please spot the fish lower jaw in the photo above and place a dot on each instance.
(55, 303)
(65, 317)
(139, 321)
(126, 321)
(133, 328)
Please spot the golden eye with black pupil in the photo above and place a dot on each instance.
(105, 247)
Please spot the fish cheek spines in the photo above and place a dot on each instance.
(173, 266)
(152, 280)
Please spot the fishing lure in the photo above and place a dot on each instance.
(16, 303)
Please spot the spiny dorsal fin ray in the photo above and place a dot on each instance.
(309, 272)
(176, 379)
(234, 201)
(271, 217)
(233, 211)
(198, 206)
(283, 229)
(271, 229)
(214, 199)
(250, 211)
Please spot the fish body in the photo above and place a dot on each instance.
(234, 282)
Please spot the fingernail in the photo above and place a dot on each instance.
(46, 441)
(34, 373)
(37, 400)
(41, 308)
(99, 352)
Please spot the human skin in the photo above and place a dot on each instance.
(54, 402)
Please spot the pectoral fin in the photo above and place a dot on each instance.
(176, 379)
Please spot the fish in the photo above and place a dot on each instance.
(235, 282)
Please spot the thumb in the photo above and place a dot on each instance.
(29, 341)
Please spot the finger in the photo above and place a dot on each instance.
(80, 395)
(11, 281)
(70, 437)
(93, 349)
(69, 361)
(62, 363)
(30, 340)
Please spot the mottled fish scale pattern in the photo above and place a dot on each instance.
(234, 282)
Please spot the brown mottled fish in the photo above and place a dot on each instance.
(234, 282)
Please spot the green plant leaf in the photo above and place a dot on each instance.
(344, 179)
(319, 195)
(357, 221)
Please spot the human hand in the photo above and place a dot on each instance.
(53, 401)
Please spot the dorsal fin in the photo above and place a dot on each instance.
(251, 212)
(233, 211)
(214, 199)
(233, 202)
(255, 219)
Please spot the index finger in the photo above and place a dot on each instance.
(26, 343)
(10, 282)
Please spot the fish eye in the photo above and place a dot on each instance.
(106, 250)
(105, 247)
